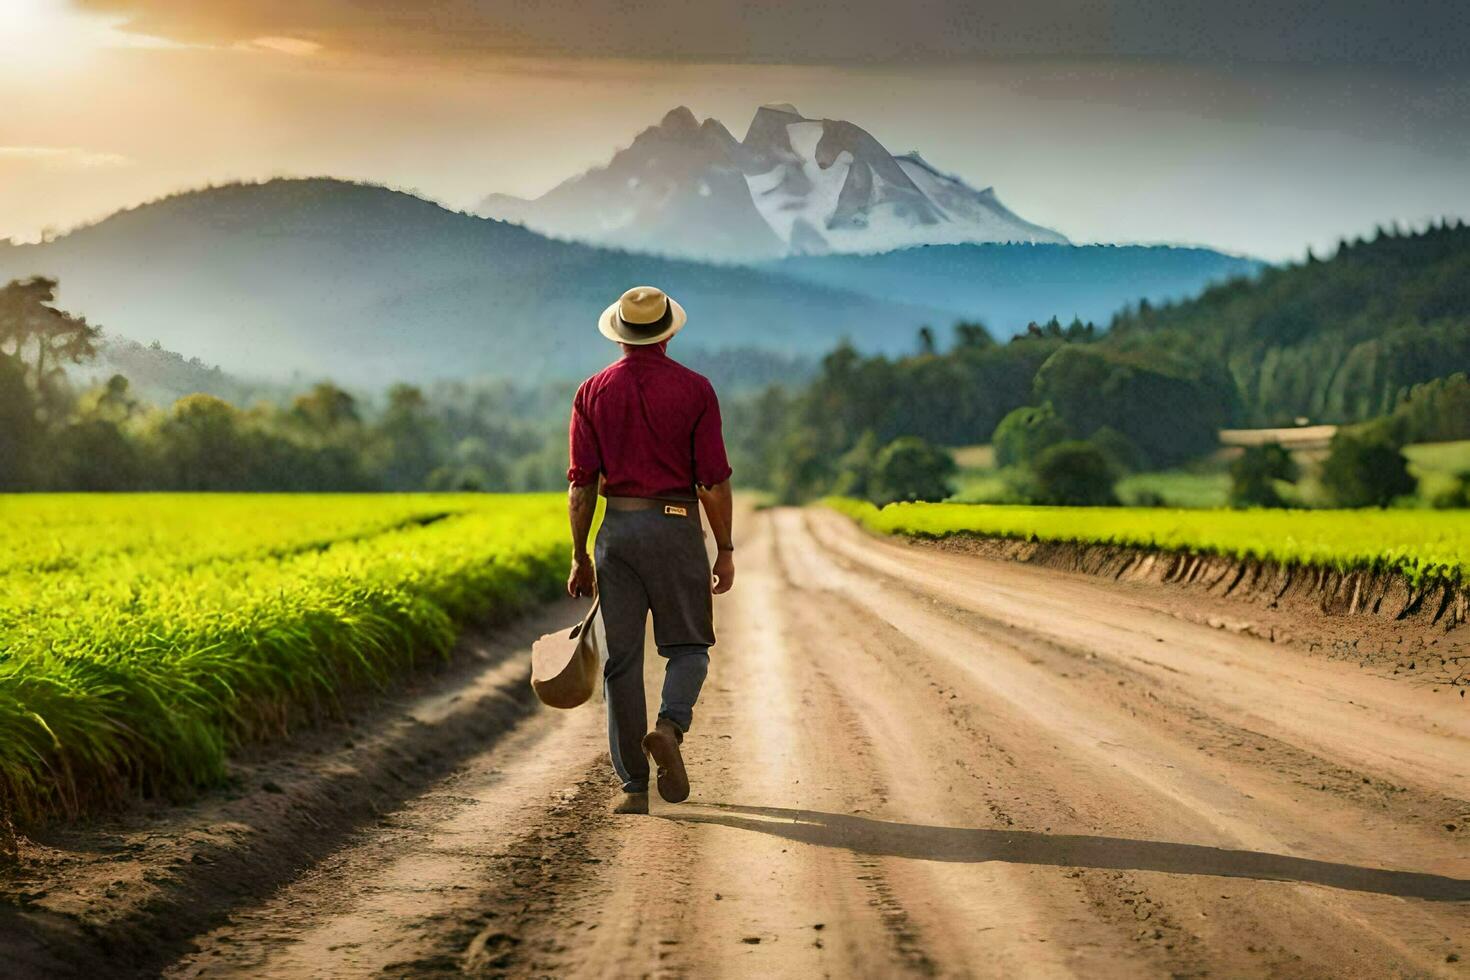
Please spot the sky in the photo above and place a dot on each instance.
(1261, 128)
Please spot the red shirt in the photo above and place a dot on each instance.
(649, 426)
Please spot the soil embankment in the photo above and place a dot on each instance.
(1378, 619)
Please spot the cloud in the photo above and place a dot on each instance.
(61, 158)
(294, 46)
(1426, 34)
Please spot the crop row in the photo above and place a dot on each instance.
(144, 637)
(1423, 545)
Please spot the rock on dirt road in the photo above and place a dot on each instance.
(915, 762)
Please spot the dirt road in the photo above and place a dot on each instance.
(915, 762)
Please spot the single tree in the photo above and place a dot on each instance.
(910, 469)
(326, 410)
(1365, 472)
(411, 440)
(111, 402)
(1025, 432)
(927, 346)
(972, 336)
(1074, 474)
(201, 444)
(1253, 475)
(43, 339)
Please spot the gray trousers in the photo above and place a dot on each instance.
(651, 561)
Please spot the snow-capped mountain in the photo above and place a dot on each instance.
(793, 185)
(678, 190)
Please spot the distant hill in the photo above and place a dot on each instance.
(1339, 340)
(1008, 286)
(161, 377)
(325, 278)
(301, 280)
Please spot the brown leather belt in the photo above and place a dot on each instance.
(669, 505)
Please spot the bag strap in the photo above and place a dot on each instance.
(591, 612)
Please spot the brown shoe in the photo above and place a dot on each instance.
(632, 803)
(663, 745)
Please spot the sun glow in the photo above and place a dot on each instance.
(48, 37)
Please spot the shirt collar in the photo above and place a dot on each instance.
(659, 349)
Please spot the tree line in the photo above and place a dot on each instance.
(1344, 340)
(1361, 338)
(1339, 340)
(55, 437)
(1050, 385)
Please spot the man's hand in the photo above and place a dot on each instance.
(582, 580)
(723, 573)
(581, 506)
(719, 508)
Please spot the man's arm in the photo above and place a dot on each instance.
(585, 465)
(581, 506)
(719, 508)
(712, 478)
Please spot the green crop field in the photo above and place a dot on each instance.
(144, 636)
(1421, 544)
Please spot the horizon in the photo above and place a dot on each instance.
(56, 234)
(1246, 145)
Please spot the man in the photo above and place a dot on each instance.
(648, 430)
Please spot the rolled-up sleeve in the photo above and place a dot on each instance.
(585, 459)
(711, 465)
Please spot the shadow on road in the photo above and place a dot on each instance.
(906, 840)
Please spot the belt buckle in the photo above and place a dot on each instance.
(670, 510)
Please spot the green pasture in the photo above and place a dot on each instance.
(1436, 464)
(1205, 484)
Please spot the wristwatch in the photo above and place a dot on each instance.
(725, 547)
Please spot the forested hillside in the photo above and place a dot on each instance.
(1342, 340)
(1339, 340)
(160, 376)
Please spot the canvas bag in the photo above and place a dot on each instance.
(566, 666)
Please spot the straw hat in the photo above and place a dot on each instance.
(566, 666)
(643, 315)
